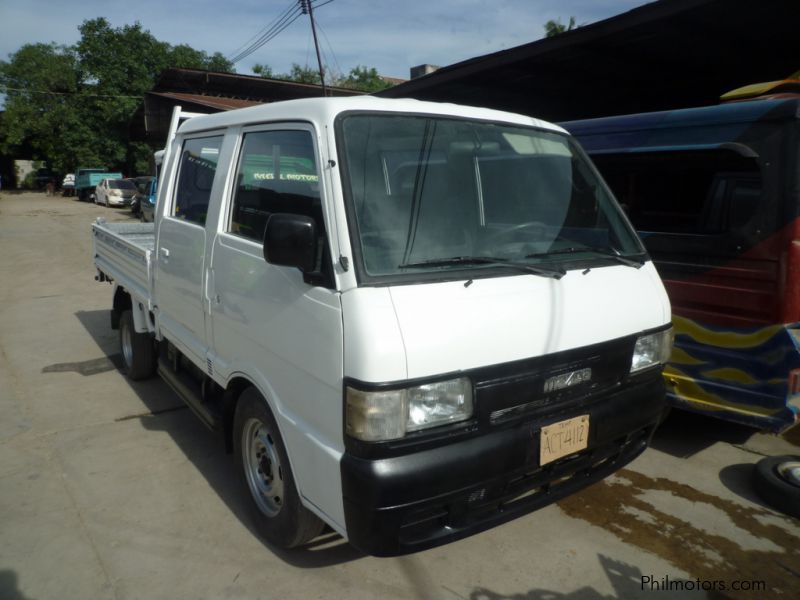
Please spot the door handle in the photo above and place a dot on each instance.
(165, 252)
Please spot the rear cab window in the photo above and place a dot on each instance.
(198, 164)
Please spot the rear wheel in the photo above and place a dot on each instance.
(264, 470)
(137, 349)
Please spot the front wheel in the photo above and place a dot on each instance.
(264, 469)
(137, 349)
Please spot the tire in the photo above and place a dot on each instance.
(137, 349)
(774, 485)
(277, 513)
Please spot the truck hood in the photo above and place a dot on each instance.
(449, 326)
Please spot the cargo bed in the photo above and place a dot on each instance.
(123, 253)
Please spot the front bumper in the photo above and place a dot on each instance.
(408, 503)
(118, 201)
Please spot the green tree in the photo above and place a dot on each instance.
(218, 62)
(73, 105)
(363, 78)
(40, 82)
(553, 28)
(186, 57)
(264, 71)
(297, 74)
(117, 66)
(304, 75)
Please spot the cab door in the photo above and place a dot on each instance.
(281, 328)
(181, 246)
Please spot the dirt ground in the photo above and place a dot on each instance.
(112, 489)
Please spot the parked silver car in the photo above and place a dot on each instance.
(114, 192)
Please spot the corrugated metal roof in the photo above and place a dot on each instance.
(215, 102)
(660, 56)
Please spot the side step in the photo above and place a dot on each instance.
(189, 391)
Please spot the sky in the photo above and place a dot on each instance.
(391, 36)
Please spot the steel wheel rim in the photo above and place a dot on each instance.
(790, 472)
(127, 345)
(262, 467)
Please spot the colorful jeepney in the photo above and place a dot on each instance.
(715, 195)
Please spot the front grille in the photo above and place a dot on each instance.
(514, 391)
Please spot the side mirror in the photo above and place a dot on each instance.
(291, 241)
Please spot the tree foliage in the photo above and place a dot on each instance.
(365, 79)
(264, 71)
(72, 106)
(40, 82)
(553, 28)
(297, 74)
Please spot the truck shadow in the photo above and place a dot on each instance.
(683, 434)
(9, 586)
(627, 581)
(165, 411)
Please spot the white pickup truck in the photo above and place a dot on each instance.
(410, 321)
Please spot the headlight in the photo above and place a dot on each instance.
(652, 349)
(389, 415)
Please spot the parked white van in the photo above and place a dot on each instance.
(409, 320)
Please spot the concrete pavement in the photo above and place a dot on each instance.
(112, 489)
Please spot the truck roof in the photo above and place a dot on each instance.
(733, 112)
(702, 128)
(322, 111)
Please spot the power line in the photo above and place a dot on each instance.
(308, 47)
(266, 38)
(271, 31)
(289, 17)
(330, 46)
(4, 89)
(308, 8)
(262, 32)
(287, 20)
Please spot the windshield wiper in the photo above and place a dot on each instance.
(611, 253)
(485, 260)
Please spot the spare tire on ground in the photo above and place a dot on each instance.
(777, 481)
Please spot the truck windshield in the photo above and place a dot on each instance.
(442, 194)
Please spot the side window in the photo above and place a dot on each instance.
(695, 192)
(277, 173)
(198, 164)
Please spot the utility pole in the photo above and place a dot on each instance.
(307, 9)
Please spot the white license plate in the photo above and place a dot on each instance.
(563, 438)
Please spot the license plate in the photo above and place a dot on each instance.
(563, 438)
